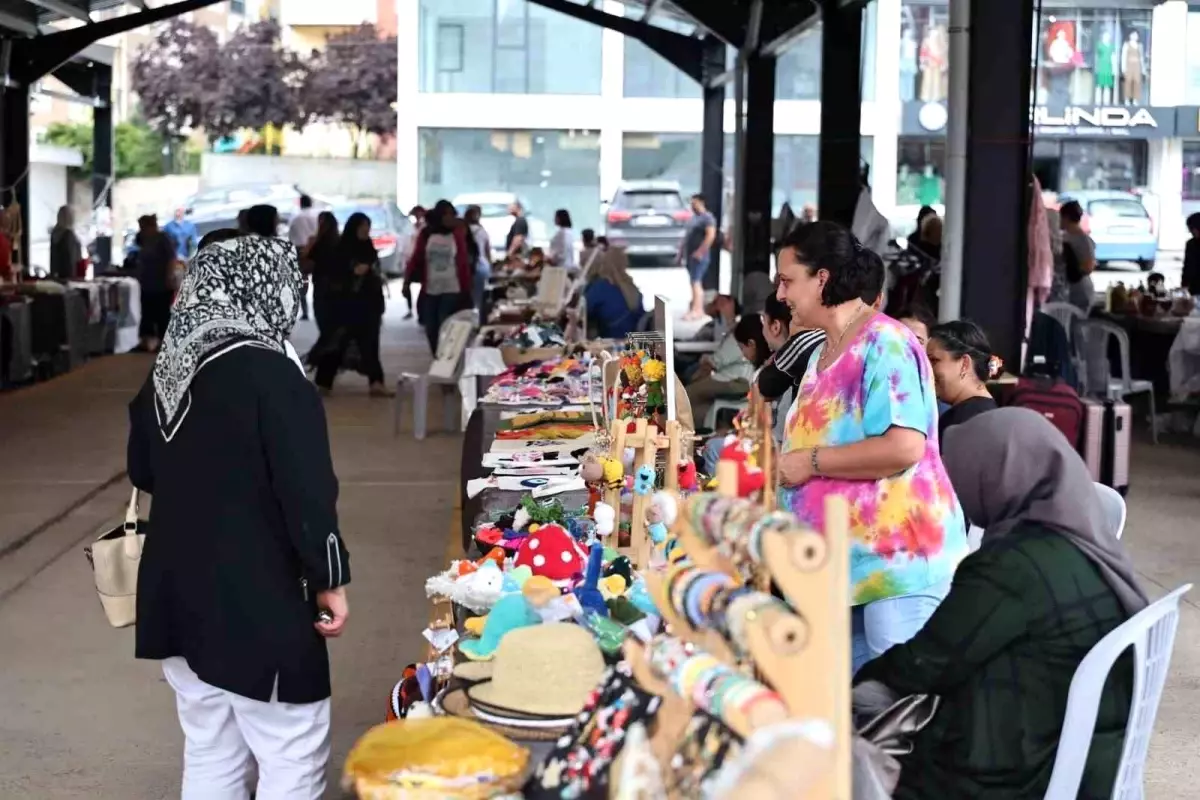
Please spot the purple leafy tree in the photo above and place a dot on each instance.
(176, 76)
(260, 82)
(352, 82)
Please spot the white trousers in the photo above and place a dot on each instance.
(226, 734)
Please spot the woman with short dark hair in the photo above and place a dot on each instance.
(864, 428)
(441, 263)
(562, 245)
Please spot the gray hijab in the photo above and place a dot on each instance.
(1011, 466)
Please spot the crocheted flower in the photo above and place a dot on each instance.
(632, 368)
(654, 370)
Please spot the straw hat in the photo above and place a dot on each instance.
(455, 704)
(544, 670)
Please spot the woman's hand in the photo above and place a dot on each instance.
(333, 601)
(795, 468)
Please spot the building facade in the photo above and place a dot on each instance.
(504, 95)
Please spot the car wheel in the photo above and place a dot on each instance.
(1145, 265)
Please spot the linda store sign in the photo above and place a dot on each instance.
(1137, 122)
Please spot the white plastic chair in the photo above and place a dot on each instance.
(721, 404)
(1100, 383)
(1069, 317)
(419, 384)
(1151, 632)
(1114, 509)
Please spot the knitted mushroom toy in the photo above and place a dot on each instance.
(552, 553)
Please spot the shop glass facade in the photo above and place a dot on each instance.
(506, 47)
(677, 157)
(920, 171)
(1094, 56)
(647, 74)
(1192, 53)
(548, 170)
(1191, 172)
(924, 52)
(1077, 165)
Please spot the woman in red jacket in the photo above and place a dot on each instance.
(441, 263)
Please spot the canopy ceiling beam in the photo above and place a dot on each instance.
(685, 52)
(64, 7)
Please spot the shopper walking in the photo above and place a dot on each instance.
(230, 439)
(483, 243)
(562, 244)
(1079, 254)
(65, 250)
(156, 275)
(516, 245)
(184, 233)
(864, 427)
(358, 307)
(697, 252)
(321, 254)
(301, 230)
(441, 263)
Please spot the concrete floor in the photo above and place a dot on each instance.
(83, 719)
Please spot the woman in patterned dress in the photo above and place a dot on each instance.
(864, 428)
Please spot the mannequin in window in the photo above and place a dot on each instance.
(934, 64)
(1105, 69)
(908, 65)
(1134, 65)
(929, 189)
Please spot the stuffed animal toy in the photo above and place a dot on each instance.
(511, 612)
(477, 590)
(614, 472)
(552, 553)
(751, 478)
(612, 586)
(540, 591)
(591, 469)
(643, 484)
(606, 519)
(588, 593)
(621, 565)
(404, 694)
(688, 481)
(660, 516)
(639, 595)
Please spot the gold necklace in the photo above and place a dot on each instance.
(827, 355)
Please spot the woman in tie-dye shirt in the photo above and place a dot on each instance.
(864, 428)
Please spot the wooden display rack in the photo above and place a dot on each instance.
(803, 656)
(646, 440)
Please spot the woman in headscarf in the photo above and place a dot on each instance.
(442, 263)
(358, 307)
(230, 439)
(1047, 584)
(65, 250)
(614, 304)
(321, 256)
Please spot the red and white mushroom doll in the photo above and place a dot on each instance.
(552, 553)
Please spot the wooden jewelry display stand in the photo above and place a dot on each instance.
(646, 441)
(802, 653)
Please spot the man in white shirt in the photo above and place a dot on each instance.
(300, 232)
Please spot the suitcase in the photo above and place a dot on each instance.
(1106, 442)
(1056, 401)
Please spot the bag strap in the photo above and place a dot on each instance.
(131, 514)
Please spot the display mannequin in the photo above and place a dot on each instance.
(1134, 66)
(908, 65)
(934, 64)
(929, 192)
(1105, 69)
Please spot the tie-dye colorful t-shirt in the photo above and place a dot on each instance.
(906, 531)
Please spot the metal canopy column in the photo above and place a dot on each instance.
(14, 156)
(756, 180)
(838, 183)
(103, 173)
(997, 192)
(712, 144)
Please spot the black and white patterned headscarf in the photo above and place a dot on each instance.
(243, 291)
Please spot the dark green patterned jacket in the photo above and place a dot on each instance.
(1001, 650)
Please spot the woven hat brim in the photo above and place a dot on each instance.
(457, 704)
(474, 671)
(485, 694)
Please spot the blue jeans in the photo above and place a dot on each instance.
(483, 271)
(698, 267)
(877, 626)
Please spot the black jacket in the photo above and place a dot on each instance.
(1191, 266)
(243, 528)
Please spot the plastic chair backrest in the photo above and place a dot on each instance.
(467, 315)
(1066, 315)
(1151, 632)
(1114, 509)
(1096, 333)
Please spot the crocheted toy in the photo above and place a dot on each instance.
(613, 586)
(660, 516)
(614, 472)
(588, 593)
(621, 565)
(477, 590)
(643, 483)
(511, 612)
(606, 519)
(552, 553)
(406, 692)
(751, 478)
(688, 480)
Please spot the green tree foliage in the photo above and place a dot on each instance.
(138, 149)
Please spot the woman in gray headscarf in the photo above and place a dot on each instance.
(1047, 584)
(65, 250)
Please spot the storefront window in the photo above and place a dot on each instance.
(548, 170)
(1093, 56)
(920, 171)
(799, 71)
(1077, 165)
(924, 52)
(506, 46)
(1191, 171)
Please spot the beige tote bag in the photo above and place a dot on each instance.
(115, 557)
